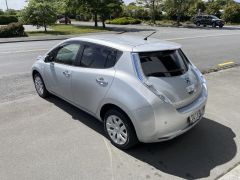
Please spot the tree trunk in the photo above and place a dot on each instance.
(153, 12)
(103, 23)
(66, 21)
(95, 19)
(178, 19)
(45, 27)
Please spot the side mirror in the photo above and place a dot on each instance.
(39, 58)
(49, 58)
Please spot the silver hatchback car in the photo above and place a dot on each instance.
(141, 89)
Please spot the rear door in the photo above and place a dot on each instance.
(171, 74)
(93, 76)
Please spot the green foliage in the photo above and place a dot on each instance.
(39, 13)
(11, 12)
(1, 12)
(178, 9)
(213, 8)
(12, 30)
(232, 13)
(137, 12)
(124, 21)
(6, 19)
(103, 9)
(199, 7)
(155, 7)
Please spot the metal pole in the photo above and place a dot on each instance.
(6, 4)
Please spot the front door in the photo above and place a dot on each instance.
(59, 72)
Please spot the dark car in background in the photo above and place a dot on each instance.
(208, 20)
(64, 20)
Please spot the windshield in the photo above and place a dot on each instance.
(163, 63)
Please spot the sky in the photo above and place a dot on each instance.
(19, 4)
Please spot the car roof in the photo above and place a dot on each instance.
(128, 42)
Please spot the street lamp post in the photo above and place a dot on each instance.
(6, 4)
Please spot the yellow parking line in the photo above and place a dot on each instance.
(226, 63)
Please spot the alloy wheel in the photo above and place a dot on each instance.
(39, 85)
(116, 130)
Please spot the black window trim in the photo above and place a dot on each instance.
(186, 61)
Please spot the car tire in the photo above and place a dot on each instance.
(119, 129)
(40, 86)
(214, 25)
(198, 24)
(220, 26)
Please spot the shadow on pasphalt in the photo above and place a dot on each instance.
(190, 156)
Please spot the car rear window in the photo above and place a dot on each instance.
(163, 63)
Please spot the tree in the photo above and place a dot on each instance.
(213, 8)
(101, 8)
(39, 13)
(197, 8)
(153, 5)
(64, 8)
(137, 12)
(178, 8)
(232, 13)
(1, 12)
(11, 12)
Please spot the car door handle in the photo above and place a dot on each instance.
(66, 73)
(102, 82)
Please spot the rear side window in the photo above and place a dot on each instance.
(98, 57)
(163, 63)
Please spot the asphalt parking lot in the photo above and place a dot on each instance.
(51, 139)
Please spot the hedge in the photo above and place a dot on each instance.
(7, 19)
(12, 30)
(124, 21)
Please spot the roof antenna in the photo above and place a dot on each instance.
(146, 38)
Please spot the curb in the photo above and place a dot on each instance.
(48, 38)
(16, 40)
(233, 174)
(220, 68)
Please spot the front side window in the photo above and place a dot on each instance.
(163, 63)
(67, 54)
(98, 57)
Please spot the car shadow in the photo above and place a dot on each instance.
(190, 156)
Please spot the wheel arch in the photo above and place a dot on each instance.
(35, 72)
(104, 108)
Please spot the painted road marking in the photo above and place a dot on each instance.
(23, 51)
(226, 63)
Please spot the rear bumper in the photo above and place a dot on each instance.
(161, 121)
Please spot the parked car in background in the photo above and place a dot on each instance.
(208, 20)
(65, 20)
(142, 89)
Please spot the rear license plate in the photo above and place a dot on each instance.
(196, 116)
